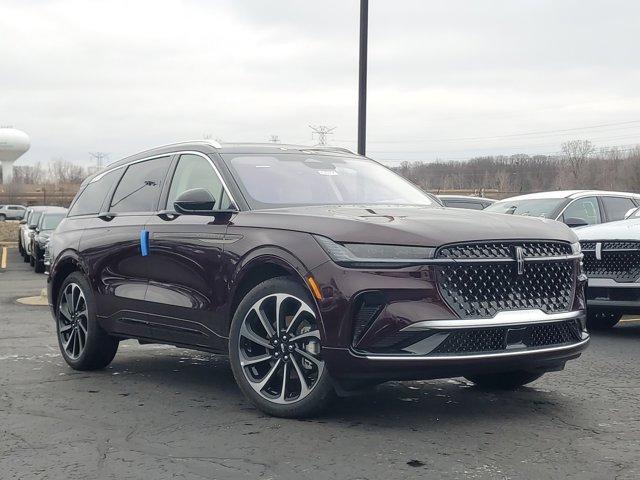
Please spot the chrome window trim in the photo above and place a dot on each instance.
(610, 283)
(484, 356)
(170, 154)
(501, 319)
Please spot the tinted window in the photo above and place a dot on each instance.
(468, 205)
(51, 220)
(617, 207)
(535, 207)
(585, 208)
(35, 217)
(194, 171)
(140, 187)
(91, 198)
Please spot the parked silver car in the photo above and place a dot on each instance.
(576, 208)
(612, 264)
(12, 212)
(27, 230)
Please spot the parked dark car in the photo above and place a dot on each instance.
(316, 270)
(47, 223)
(463, 201)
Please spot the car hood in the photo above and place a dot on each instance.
(621, 230)
(405, 225)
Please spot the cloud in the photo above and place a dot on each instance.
(121, 76)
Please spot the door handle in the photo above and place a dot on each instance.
(168, 215)
(107, 216)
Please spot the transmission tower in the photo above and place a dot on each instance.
(99, 157)
(321, 131)
(274, 138)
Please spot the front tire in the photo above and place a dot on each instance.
(3, 217)
(275, 350)
(599, 320)
(83, 343)
(504, 381)
(39, 262)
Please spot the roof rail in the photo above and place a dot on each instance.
(330, 149)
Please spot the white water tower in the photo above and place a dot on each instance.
(13, 143)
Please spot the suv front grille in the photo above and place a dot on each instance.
(619, 261)
(482, 290)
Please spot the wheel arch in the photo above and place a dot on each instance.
(67, 263)
(261, 265)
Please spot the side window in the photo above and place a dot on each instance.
(585, 208)
(194, 171)
(140, 186)
(617, 207)
(90, 200)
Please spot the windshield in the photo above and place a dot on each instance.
(51, 220)
(540, 207)
(269, 181)
(33, 220)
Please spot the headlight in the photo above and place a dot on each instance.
(374, 255)
(575, 248)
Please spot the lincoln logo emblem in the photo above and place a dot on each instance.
(520, 260)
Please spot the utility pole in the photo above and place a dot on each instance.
(321, 131)
(99, 157)
(274, 138)
(362, 77)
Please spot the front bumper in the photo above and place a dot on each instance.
(415, 335)
(605, 294)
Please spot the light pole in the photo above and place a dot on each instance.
(362, 78)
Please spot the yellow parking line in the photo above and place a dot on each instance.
(3, 263)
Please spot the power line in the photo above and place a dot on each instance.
(99, 157)
(321, 131)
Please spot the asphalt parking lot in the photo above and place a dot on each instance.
(161, 412)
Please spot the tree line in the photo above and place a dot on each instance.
(579, 165)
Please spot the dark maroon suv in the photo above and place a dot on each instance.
(316, 270)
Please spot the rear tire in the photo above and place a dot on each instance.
(271, 358)
(504, 381)
(599, 320)
(83, 343)
(32, 261)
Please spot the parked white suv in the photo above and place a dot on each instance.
(12, 212)
(612, 264)
(576, 208)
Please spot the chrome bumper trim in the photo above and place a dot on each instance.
(518, 353)
(514, 317)
(610, 283)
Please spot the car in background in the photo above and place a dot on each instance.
(47, 223)
(27, 228)
(12, 212)
(612, 264)
(317, 271)
(463, 201)
(576, 208)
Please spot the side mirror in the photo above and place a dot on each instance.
(575, 222)
(196, 201)
(32, 227)
(631, 212)
(23, 222)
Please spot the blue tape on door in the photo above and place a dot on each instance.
(144, 242)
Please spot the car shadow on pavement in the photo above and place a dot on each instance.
(207, 378)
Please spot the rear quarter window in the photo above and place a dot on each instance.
(90, 200)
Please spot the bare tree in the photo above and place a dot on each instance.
(29, 174)
(576, 153)
(62, 171)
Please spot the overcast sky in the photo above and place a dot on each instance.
(447, 80)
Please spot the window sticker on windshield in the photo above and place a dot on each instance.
(328, 172)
